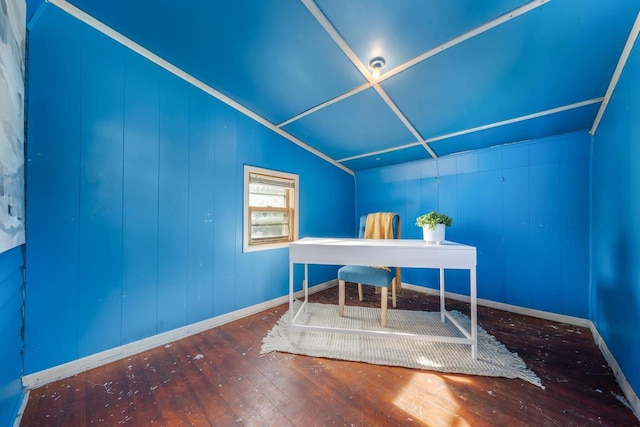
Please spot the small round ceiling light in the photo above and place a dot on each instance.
(375, 65)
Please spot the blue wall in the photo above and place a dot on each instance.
(11, 281)
(525, 207)
(135, 205)
(134, 199)
(615, 289)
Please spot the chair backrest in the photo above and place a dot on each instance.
(363, 225)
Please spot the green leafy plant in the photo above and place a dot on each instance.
(433, 218)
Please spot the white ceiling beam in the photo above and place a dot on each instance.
(364, 70)
(125, 41)
(480, 128)
(404, 119)
(326, 104)
(517, 119)
(337, 38)
(376, 153)
(464, 37)
(633, 35)
(344, 46)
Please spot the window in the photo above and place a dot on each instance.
(270, 209)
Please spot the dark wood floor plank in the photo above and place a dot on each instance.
(158, 372)
(139, 392)
(106, 392)
(75, 401)
(169, 390)
(237, 362)
(216, 396)
(60, 403)
(255, 392)
(219, 378)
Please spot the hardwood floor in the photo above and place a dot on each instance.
(218, 378)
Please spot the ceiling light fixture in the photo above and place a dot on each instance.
(375, 65)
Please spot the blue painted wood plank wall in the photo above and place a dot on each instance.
(135, 192)
(615, 288)
(525, 207)
(11, 290)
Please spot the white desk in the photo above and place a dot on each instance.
(396, 253)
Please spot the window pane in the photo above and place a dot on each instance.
(262, 195)
(268, 225)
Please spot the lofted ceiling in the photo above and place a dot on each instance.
(459, 75)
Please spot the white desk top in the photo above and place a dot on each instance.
(389, 252)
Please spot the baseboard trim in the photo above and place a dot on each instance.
(578, 321)
(21, 408)
(630, 395)
(46, 376)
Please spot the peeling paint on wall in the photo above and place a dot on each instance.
(12, 64)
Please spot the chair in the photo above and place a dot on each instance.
(372, 276)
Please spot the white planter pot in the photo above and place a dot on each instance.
(433, 236)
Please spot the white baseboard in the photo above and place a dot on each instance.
(46, 376)
(629, 394)
(23, 406)
(578, 321)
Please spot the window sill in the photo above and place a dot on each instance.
(265, 247)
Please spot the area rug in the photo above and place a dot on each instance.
(494, 359)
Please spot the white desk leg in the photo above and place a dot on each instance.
(290, 299)
(474, 314)
(442, 307)
(305, 285)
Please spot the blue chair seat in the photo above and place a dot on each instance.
(373, 276)
(370, 275)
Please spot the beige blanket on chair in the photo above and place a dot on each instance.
(380, 226)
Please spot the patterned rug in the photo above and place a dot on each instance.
(494, 359)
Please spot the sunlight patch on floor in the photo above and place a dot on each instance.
(426, 398)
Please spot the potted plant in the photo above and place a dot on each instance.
(433, 225)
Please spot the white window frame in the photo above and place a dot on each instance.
(246, 246)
